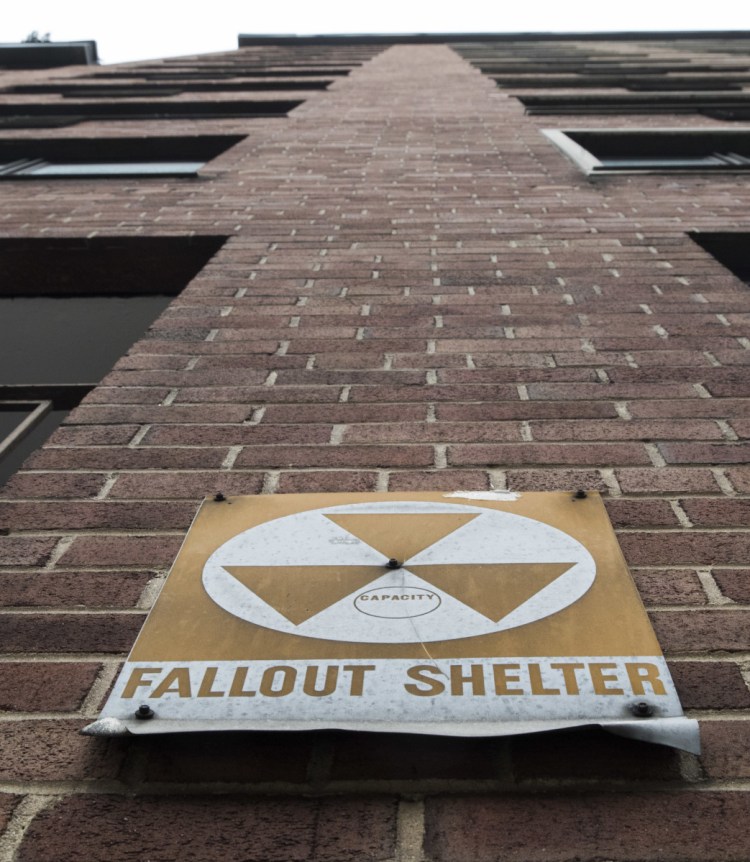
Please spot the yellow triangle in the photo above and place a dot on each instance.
(401, 537)
(493, 589)
(300, 592)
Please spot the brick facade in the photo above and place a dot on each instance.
(417, 290)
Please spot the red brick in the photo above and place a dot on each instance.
(702, 630)
(666, 480)
(726, 749)
(625, 430)
(193, 485)
(669, 587)
(97, 551)
(202, 828)
(120, 458)
(739, 477)
(8, 803)
(513, 455)
(92, 435)
(71, 633)
(45, 686)
(23, 551)
(53, 486)
(705, 453)
(97, 515)
(720, 512)
(432, 432)
(624, 827)
(610, 391)
(557, 757)
(53, 750)
(393, 756)
(735, 584)
(317, 482)
(335, 456)
(72, 589)
(342, 413)
(710, 685)
(556, 480)
(468, 392)
(438, 480)
(685, 548)
(641, 513)
(719, 408)
(201, 757)
(235, 435)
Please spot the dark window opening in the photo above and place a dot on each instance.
(26, 115)
(603, 151)
(69, 309)
(110, 157)
(136, 90)
(729, 249)
(734, 106)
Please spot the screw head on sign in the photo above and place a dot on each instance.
(580, 495)
(219, 497)
(393, 563)
(144, 711)
(642, 709)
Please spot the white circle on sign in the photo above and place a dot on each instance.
(397, 604)
(305, 574)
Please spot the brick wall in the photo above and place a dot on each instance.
(418, 291)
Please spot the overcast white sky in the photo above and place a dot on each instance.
(142, 29)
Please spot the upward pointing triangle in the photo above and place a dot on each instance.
(401, 537)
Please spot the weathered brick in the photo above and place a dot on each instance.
(45, 686)
(53, 750)
(558, 828)
(513, 455)
(73, 633)
(98, 551)
(666, 480)
(710, 685)
(699, 548)
(72, 589)
(318, 482)
(705, 453)
(702, 630)
(336, 456)
(97, 515)
(192, 485)
(203, 827)
(669, 587)
(726, 749)
(25, 551)
(734, 583)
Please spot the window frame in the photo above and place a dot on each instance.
(593, 166)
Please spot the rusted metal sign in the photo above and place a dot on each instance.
(467, 614)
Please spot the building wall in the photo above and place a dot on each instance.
(418, 291)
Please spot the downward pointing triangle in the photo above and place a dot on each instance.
(493, 589)
(300, 592)
(398, 536)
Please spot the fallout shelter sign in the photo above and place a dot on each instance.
(468, 614)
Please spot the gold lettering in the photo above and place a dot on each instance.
(475, 678)
(502, 678)
(639, 673)
(329, 685)
(569, 675)
(288, 677)
(434, 686)
(137, 681)
(206, 686)
(177, 681)
(537, 685)
(237, 689)
(358, 677)
(600, 679)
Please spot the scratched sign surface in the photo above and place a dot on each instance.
(474, 614)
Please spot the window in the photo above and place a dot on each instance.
(611, 151)
(715, 105)
(25, 115)
(68, 310)
(137, 157)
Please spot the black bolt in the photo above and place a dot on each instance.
(144, 711)
(642, 709)
(393, 563)
(219, 497)
(580, 494)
